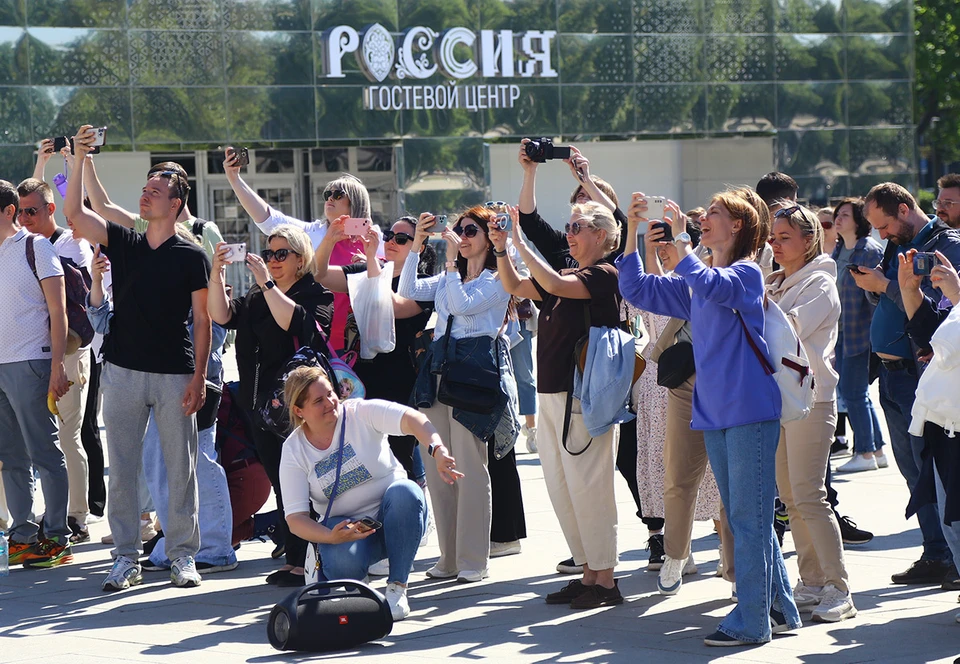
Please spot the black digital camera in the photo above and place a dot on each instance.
(543, 149)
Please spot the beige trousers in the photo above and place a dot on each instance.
(802, 458)
(462, 510)
(580, 487)
(71, 407)
(685, 463)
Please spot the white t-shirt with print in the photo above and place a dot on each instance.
(24, 318)
(307, 474)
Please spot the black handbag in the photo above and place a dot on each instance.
(675, 365)
(467, 387)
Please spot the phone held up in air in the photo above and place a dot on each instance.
(440, 223)
(237, 253)
(655, 207)
(243, 156)
(354, 226)
(923, 263)
(366, 524)
(667, 230)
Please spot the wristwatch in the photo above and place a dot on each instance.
(499, 254)
(683, 238)
(431, 448)
(269, 284)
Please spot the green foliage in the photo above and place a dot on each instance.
(938, 75)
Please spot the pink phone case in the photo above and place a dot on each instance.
(356, 226)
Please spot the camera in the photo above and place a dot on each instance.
(543, 149)
(503, 222)
(923, 264)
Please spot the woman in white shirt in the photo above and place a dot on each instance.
(339, 461)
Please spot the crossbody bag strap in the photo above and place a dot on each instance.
(446, 338)
(336, 481)
(764, 362)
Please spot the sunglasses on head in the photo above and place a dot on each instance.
(335, 194)
(466, 231)
(29, 212)
(495, 204)
(279, 254)
(827, 225)
(399, 238)
(575, 228)
(174, 177)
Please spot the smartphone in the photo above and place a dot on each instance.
(355, 226)
(667, 230)
(243, 156)
(923, 263)
(440, 223)
(853, 268)
(237, 253)
(100, 136)
(367, 524)
(61, 142)
(655, 207)
(504, 222)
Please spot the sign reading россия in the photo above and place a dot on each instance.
(419, 53)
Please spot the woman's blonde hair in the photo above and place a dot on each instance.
(299, 242)
(806, 221)
(601, 218)
(356, 192)
(744, 204)
(296, 387)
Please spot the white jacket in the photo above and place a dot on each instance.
(811, 301)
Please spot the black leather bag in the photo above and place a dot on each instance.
(676, 365)
(467, 386)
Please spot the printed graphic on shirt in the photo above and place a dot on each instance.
(352, 474)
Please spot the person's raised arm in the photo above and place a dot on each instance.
(218, 304)
(580, 167)
(528, 189)
(91, 225)
(910, 292)
(281, 307)
(251, 201)
(410, 286)
(44, 152)
(98, 267)
(333, 279)
(196, 392)
(512, 282)
(944, 277)
(99, 199)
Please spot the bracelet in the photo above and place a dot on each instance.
(450, 265)
(499, 254)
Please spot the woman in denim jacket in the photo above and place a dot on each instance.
(469, 297)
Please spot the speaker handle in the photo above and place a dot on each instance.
(351, 585)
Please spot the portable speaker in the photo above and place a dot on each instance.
(331, 615)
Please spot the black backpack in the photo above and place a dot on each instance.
(77, 282)
(271, 413)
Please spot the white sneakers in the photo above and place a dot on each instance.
(835, 606)
(436, 572)
(397, 600)
(672, 573)
(858, 464)
(472, 576)
(881, 459)
(124, 573)
(500, 549)
(804, 596)
(531, 438)
(183, 573)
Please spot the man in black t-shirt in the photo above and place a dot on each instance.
(150, 364)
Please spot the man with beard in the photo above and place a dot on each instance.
(947, 204)
(893, 212)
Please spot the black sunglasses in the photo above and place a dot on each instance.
(574, 228)
(279, 254)
(788, 212)
(335, 194)
(30, 211)
(466, 231)
(399, 238)
(174, 177)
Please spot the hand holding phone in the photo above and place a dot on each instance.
(855, 269)
(667, 230)
(366, 524)
(237, 253)
(504, 222)
(354, 226)
(439, 225)
(923, 263)
(655, 207)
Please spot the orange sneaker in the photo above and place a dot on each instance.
(49, 553)
(19, 551)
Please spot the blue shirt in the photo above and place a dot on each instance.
(732, 388)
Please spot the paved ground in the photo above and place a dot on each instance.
(62, 613)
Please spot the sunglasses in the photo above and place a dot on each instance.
(495, 204)
(827, 225)
(279, 254)
(466, 231)
(29, 212)
(574, 228)
(335, 194)
(399, 238)
(175, 177)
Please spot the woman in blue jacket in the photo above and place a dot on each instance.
(736, 404)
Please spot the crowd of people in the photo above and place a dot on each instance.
(654, 359)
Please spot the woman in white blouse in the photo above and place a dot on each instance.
(470, 298)
(339, 461)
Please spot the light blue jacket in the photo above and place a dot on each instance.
(604, 388)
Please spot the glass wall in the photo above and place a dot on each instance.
(830, 79)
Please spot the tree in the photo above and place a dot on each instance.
(938, 76)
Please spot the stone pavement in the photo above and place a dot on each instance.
(62, 613)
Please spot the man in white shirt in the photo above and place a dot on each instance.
(33, 340)
(36, 216)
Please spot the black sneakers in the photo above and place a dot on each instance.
(924, 572)
(655, 547)
(593, 597)
(850, 533)
(951, 581)
(568, 566)
(567, 594)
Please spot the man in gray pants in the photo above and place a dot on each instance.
(150, 364)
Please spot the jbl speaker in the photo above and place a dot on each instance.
(331, 615)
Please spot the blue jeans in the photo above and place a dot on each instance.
(952, 532)
(897, 393)
(743, 459)
(403, 513)
(854, 381)
(215, 514)
(522, 356)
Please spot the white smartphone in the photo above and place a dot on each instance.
(439, 225)
(655, 207)
(237, 253)
(100, 136)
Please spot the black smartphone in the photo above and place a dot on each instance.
(59, 143)
(243, 157)
(853, 268)
(667, 231)
(367, 524)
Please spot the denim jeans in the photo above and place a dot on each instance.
(952, 532)
(403, 513)
(522, 356)
(215, 514)
(897, 393)
(743, 459)
(854, 381)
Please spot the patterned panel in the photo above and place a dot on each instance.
(594, 59)
(607, 16)
(879, 57)
(267, 15)
(175, 14)
(78, 13)
(740, 59)
(882, 151)
(176, 58)
(879, 16)
(810, 57)
(678, 16)
(876, 104)
(269, 58)
(73, 56)
(736, 17)
(598, 109)
(811, 105)
(669, 109)
(271, 114)
(59, 111)
(807, 16)
(355, 13)
(813, 152)
(179, 115)
(738, 108)
(668, 59)
(15, 116)
(13, 56)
